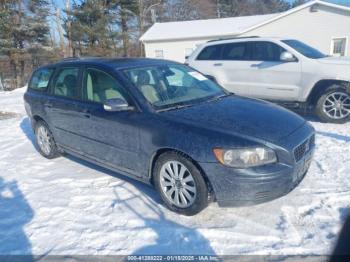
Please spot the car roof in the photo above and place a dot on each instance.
(115, 63)
(243, 39)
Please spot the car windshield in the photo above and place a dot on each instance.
(304, 49)
(166, 86)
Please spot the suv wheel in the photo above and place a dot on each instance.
(334, 105)
(45, 141)
(180, 184)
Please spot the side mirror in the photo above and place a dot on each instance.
(287, 57)
(116, 105)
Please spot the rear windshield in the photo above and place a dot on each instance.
(40, 79)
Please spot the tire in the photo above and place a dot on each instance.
(45, 141)
(192, 179)
(333, 106)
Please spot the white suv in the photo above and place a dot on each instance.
(286, 71)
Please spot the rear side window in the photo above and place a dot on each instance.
(266, 51)
(235, 51)
(67, 83)
(212, 52)
(40, 79)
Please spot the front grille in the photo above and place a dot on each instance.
(303, 148)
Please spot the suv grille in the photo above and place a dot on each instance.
(303, 148)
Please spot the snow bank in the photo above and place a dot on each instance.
(68, 206)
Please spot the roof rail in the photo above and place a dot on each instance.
(232, 38)
(74, 58)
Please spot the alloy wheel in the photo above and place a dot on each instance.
(337, 105)
(178, 184)
(44, 140)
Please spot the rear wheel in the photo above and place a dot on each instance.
(45, 141)
(180, 184)
(334, 105)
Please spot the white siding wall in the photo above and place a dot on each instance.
(313, 28)
(172, 50)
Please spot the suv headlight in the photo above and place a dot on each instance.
(245, 157)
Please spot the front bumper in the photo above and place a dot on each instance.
(237, 187)
(241, 187)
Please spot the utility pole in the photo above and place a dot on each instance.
(69, 29)
(142, 16)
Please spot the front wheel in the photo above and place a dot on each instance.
(333, 105)
(45, 141)
(180, 184)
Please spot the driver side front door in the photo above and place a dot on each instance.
(111, 138)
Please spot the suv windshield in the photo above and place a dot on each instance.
(166, 86)
(304, 49)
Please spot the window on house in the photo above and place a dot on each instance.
(159, 54)
(339, 46)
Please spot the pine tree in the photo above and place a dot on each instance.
(38, 30)
(89, 25)
(24, 31)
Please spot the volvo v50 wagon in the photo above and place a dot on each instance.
(166, 124)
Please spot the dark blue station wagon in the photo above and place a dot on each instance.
(168, 125)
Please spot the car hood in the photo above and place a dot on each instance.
(335, 60)
(240, 116)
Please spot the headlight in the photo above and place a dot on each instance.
(245, 157)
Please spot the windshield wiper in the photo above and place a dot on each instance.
(174, 107)
(218, 97)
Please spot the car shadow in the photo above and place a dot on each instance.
(15, 213)
(150, 191)
(172, 238)
(335, 136)
(26, 128)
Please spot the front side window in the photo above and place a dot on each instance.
(100, 86)
(235, 51)
(304, 49)
(212, 52)
(40, 79)
(266, 51)
(173, 85)
(67, 83)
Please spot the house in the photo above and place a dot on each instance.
(323, 25)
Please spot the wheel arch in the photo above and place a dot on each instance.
(161, 151)
(321, 86)
(36, 119)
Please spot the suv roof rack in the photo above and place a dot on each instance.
(232, 38)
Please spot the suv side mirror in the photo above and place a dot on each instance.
(287, 57)
(116, 105)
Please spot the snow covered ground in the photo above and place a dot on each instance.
(68, 206)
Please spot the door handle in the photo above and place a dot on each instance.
(255, 65)
(218, 64)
